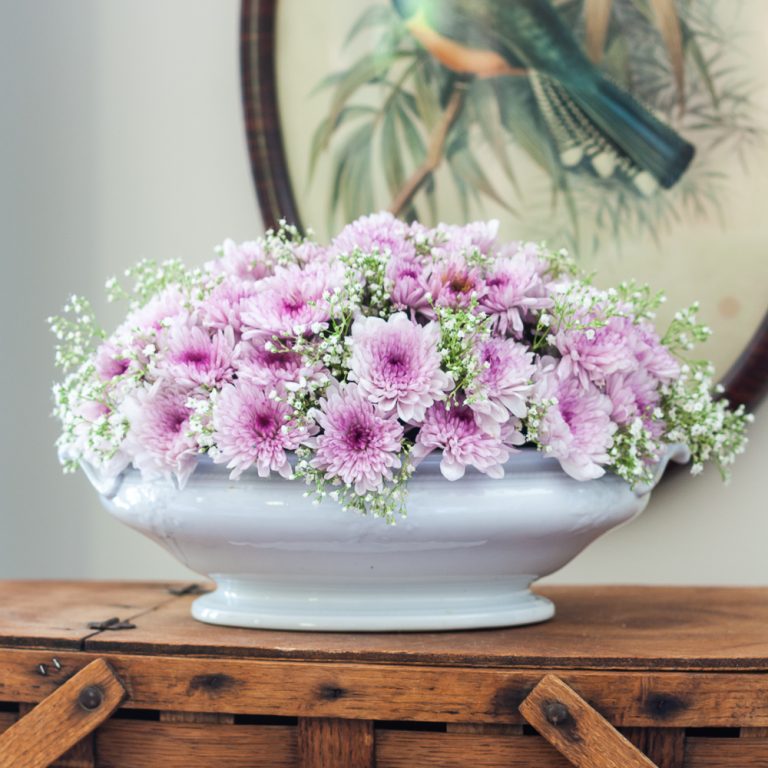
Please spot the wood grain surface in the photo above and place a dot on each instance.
(60, 720)
(665, 628)
(576, 730)
(56, 614)
(136, 744)
(403, 692)
(324, 742)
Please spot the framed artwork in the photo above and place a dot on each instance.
(632, 132)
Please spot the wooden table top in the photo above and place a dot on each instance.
(597, 627)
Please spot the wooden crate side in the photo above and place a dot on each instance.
(7, 719)
(138, 744)
(406, 749)
(390, 692)
(726, 753)
(325, 742)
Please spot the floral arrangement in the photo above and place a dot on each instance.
(344, 365)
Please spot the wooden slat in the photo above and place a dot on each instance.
(7, 719)
(726, 753)
(55, 614)
(754, 733)
(196, 717)
(324, 742)
(82, 755)
(391, 692)
(669, 628)
(404, 749)
(59, 722)
(136, 744)
(665, 747)
(576, 730)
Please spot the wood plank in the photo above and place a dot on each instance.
(408, 692)
(725, 753)
(80, 756)
(55, 614)
(754, 733)
(324, 742)
(138, 744)
(576, 730)
(7, 719)
(406, 749)
(665, 747)
(601, 627)
(196, 717)
(63, 718)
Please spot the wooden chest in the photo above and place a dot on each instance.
(681, 672)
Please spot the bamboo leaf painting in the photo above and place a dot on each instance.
(607, 99)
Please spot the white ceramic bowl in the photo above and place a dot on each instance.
(464, 557)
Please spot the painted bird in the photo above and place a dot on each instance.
(592, 120)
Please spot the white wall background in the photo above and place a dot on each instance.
(121, 137)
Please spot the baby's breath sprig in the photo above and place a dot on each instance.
(634, 453)
(461, 328)
(366, 285)
(710, 428)
(642, 302)
(151, 278)
(560, 264)
(685, 331)
(280, 244)
(77, 334)
(389, 502)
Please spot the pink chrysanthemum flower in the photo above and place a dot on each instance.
(223, 305)
(464, 443)
(292, 302)
(253, 429)
(652, 355)
(192, 357)
(272, 366)
(594, 353)
(244, 261)
(632, 394)
(514, 287)
(158, 438)
(576, 429)
(168, 305)
(110, 362)
(410, 283)
(466, 239)
(379, 231)
(396, 364)
(360, 444)
(454, 283)
(504, 383)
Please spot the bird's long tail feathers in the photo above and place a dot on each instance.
(606, 127)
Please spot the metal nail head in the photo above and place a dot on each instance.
(42, 669)
(90, 698)
(56, 663)
(556, 712)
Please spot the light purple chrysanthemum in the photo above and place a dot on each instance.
(465, 239)
(652, 355)
(192, 357)
(577, 429)
(379, 231)
(244, 261)
(463, 441)
(396, 364)
(592, 354)
(272, 366)
(514, 287)
(252, 429)
(292, 302)
(223, 305)
(410, 282)
(504, 383)
(454, 283)
(157, 438)
(110, 362)
(360, 444)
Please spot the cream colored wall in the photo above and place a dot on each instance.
(121, 137)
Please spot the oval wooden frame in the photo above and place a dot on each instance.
(745, 383)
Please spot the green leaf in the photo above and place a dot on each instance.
(326, 129)
(413, 139)
(372, 17)
(391, 160)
